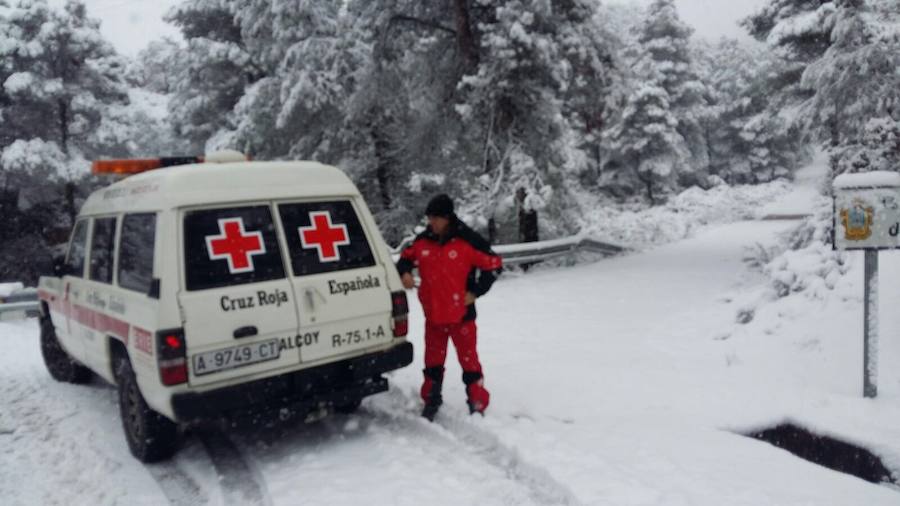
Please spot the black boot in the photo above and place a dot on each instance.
(433, 398)
(470, 379)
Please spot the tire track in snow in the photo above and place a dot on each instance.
(58, 435)
(178, 487)
(240, 482)
(539, 483)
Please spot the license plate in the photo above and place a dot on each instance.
(236, 356)
(359, 338)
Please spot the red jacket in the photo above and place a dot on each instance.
(447, 268)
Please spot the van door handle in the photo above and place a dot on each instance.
(247, 331)
(310, 300)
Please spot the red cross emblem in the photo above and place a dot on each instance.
(324, 236)
(235, 245)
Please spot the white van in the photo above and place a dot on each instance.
(224, 290)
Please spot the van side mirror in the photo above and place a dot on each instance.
(60, 268)
(153, 291)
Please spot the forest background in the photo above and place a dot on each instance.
(574, 104)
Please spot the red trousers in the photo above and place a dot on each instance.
(464, 335)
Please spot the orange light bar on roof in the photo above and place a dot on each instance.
(127, 167)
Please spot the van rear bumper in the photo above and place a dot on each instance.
(296, 393)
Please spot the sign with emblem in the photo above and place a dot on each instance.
(867, 217)
(867, 211)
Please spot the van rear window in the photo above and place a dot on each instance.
(324, 237)
(230, 246)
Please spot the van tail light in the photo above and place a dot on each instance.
(400, 312)
(171, 357)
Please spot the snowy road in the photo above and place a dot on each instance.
(622, 382)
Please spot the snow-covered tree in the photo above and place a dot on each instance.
(534, 60)
(648, 142)
(797, 31)
(58, 75)
(157, 66)
(747, 138)
(844, 55)
(215, 69)
(60, 79)
(877, 149)
(856, 79)
(802, 27)
(297, 109)
(668, 63)
(400, 132)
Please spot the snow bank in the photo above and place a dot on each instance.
(683, 214)
(7, 289)
(802, 262)
(875, 179)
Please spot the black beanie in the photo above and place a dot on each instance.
(441, 205)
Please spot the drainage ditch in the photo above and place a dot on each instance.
(828, 452)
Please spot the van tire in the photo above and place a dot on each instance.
(60, 365)
(151, 436)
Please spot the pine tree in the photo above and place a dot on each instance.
(156, 66)
(848, 52)
(400, 131)
(748, 140)
(58, 75)
(493, 96)
(877, 149)
(215, 71)
(855, 80)
(648, 142)
(668, 61)
(297, 109)
(60, 80)
(535, 61)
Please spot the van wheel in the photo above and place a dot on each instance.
(151, 436)
(348, 407)
(59, 364)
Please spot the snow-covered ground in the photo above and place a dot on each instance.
(623, 382)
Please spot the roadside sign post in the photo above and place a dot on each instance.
(867, 217)
(870, 326)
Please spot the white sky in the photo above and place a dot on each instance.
(131, 24)
(712, 18)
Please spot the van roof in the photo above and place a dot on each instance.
(203, 183)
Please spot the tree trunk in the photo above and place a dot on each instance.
(69, 204)
(382, 169)
(835, 131)
(63, 126)
(465, 38)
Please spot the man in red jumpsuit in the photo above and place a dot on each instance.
(456, 266)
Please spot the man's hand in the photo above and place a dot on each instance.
(408, 282)
(470, 298)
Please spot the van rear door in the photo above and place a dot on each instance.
(238, 305)
(340, 285)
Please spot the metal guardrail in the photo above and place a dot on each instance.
(528, 252)
(26, 301)
(514, 254)
(26, 307)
